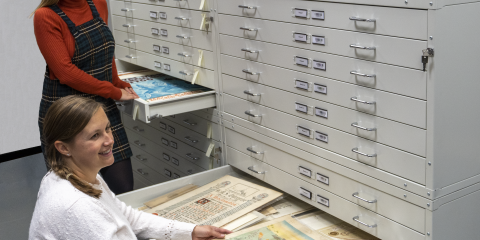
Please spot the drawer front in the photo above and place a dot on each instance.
(205, 77)
(197, 124)
(140, 182)
(148, 173)
(164, 158)
(408, 23)
(181, 53)
(184, 36)
(385, 204)
(165, 15)
(125, 54)
(337, 206)
(388, 132)
(390, 50)
(191, 154)
(186, 4)
(392, 160)
(336, 67)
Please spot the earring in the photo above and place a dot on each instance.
(68, 154)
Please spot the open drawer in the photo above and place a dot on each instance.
(148, 110)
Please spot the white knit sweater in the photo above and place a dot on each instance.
(64, 212)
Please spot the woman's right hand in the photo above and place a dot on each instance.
(127, 95)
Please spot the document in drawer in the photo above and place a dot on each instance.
(218, 202)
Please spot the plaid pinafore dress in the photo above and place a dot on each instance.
(94, 49)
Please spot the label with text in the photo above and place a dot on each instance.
(319, 65)
(319, 40)
(166, 157)
(155, 31)
(301, 108)
(302, 85)
(153, 14)
(300, 13)
(164, 32)
(318, 15)
(304, 192)
(323, 179)
(157, 64)
(321, 136)
(320, 88)
(175, 161)
(165, 141)
(321, 112)
(300, 37)
(156, 48)
(162, 15)
(166, 50)
(167, 172)
(323, 200)
(301, 61)
(166, 67)
(305, 171)
(303, 131)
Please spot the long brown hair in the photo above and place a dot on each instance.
(66, 118)
(44, 3)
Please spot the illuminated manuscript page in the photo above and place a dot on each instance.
(217, 203)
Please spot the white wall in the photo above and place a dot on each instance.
(21, 75)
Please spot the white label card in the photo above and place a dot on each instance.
(320, 88)
(155, 31)
(301, 107)
(321, 112)
(166, 67)
(166, 50)
(171, 129)
(164, 32)
(319, 65)
(305, 171)
(323, 200)
(305, 193)
(302, 61)
(175, 161)
(167, 172)
(162, 15)
(303, 131)
(166, 157)
(300, 37)
(165, 141)
(321, 136)
(173, 144)
(319, 40)
(323, 179)
(157, 64)
(156, 48)
(153, 14)
(319, 15)
(301, 13)
(302, 85)
(163, 125)
(176, 175)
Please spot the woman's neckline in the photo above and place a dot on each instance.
(73, 3)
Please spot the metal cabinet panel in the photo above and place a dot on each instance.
(186, 4)
(140, 182)
(409, 23)
(126, 54)
(384, 204)
(392, 133)
(197, 124)
(147, 172)
(392, 160)
(390, 50)
(184, 36)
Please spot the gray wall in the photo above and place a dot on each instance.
(21, 67)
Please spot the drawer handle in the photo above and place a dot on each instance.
(251, 94)
(355, 150)
(139, 144)
(188, 138)
(361, 101)
(370, 226)
(362, 19)
(142, 172)
(355, 195)
(127, 9)
(247, 7)
(250, 72)
(186, 73)
(363, 75)
(182, 18)
(252, 115)
(139, 157)
(255, 171)
(189, 123)
(130, 56)
(129, 41)
(127, 25)
(253, 151)
(183, 37)
(362, 47)
(249, 29)
(189, 155)
(138, 129)
(355, 124)
(249, 51)
(184, 55)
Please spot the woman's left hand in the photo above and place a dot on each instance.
(130, 90)
(208, 233)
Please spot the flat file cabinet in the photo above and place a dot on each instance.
(368, 104)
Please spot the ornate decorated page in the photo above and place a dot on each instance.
(217, 203)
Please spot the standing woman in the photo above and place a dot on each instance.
(78, 48)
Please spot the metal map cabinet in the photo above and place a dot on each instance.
(332, 98)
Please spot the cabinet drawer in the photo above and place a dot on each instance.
(126, 54)
(139, 182)
(147, 172)
(390, 50)
(384, 204)
(177, 52)
(337, 206)
(186, 4)
(392, 160)
(165, 15)
(197, 124)
(184, 36)
(408, 23)
(392, 133)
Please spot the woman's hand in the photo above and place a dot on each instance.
(130, 90)
(208, 233)
(128, 94)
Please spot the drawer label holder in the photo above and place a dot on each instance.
(318, 40)
(301, 37)
(175, 176)
(321, 136)
(165, 141)
(301, 61)
(305, 171)
(166, 157)
(318, 15)
(166, 50)
(323, 179)
(156, 48)
(171, 129)
(167, 172)
(164, 32)
(173, 144)
(162, 15)
(163, 125)
(304, 131)
(300, 13)
(175, 161)
(300, 107)
(320, 65)
(320, 112)
(303, 85)
(157, 64)
(304, 192)
(154, 14)
(166, 67)
(323, 200)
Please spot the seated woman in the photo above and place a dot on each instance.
(74, 202)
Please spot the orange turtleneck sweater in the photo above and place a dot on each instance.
(57, 46)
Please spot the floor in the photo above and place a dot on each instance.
(19, 183)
